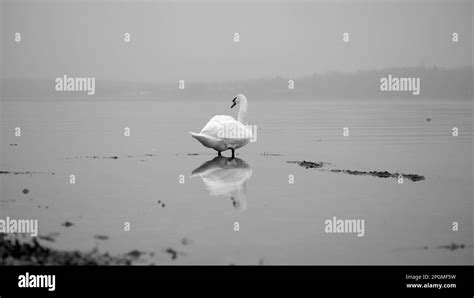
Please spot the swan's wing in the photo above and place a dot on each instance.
(222, 118)
(218, 128)
(215, 122)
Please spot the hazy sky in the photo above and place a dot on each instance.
(193, 40)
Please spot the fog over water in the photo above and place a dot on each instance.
(173, 40)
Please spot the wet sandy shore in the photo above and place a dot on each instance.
(16, 252)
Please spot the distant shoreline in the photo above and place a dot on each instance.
(437, 83)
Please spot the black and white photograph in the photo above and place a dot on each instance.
(186, 135)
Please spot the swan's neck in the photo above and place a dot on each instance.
(242, 117)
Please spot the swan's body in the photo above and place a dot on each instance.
(223, 132)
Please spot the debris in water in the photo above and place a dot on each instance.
(380, 174)
(135, 253)
(271, 154)
(67, 224)
(105, 157)
(186, 241)
(110, 157)
(25, 172)
(452, 246)
(26, 191)
(101, 237)
(310, 164)
(174, 253)
(46, 238)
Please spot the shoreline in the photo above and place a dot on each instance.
(14, 252)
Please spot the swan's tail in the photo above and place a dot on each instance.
(207, 141)
(198, 136)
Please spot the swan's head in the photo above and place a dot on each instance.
(238, 99)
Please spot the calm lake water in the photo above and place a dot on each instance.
(280, 223)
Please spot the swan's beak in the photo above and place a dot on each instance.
(234, 103)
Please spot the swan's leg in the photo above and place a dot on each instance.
(219, 153)
(233, 152)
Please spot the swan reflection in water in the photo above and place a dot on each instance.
(224, 176)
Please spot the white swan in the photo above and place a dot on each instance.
(223, 132)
